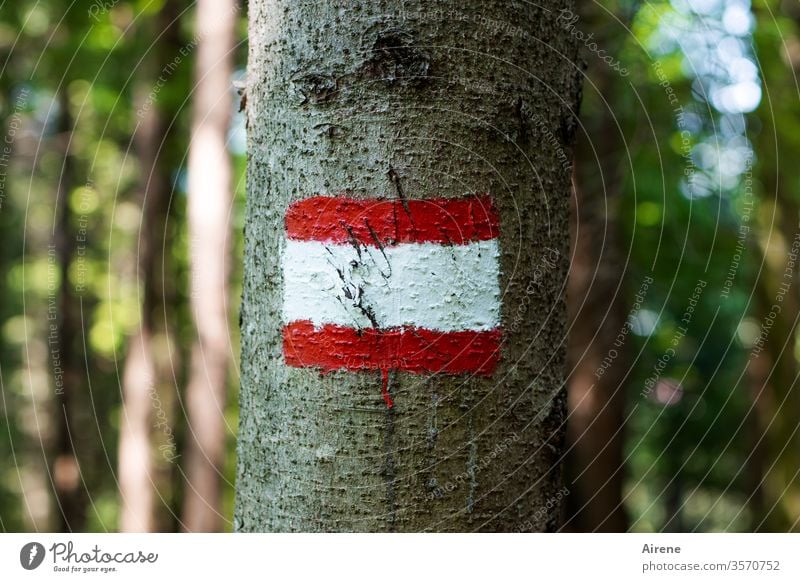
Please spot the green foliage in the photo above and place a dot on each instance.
(103, 58)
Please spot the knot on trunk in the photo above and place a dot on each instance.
(393, 58)
(315, 88)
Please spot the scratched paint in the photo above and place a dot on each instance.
(392, 285)
(433, 286)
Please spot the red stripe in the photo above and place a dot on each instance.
(387, 222)
(333, 347)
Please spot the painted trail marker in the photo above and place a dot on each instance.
(392, 285)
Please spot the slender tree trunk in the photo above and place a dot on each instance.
(596, 390)
(407, 101)
(135, 465)
(759, 416)
(597, 345)
(136, 477)
(210, 196)
(597, 301)
(773, 366)
(145, 468)
(70, 492)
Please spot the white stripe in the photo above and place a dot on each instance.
(427, 285)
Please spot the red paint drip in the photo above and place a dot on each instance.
(385, 388)
(385, 222)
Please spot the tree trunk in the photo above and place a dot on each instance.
(210, 196)
(772, 366)
(70, 491)
(406, 101)
(135, 465)
(146, 442)
(596, 390)
(596, 300)
(136, 477)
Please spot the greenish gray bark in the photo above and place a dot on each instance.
(421, 99)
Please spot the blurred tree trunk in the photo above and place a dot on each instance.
(409, 100)
(773, 369)
(597, 300)
(773, 373)
(209, 206)
(136, 478)
(596, 393)
(145, 372)
(757, 374)
(70, 491)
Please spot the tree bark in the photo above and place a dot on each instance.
(412, 101)
(210, 197)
